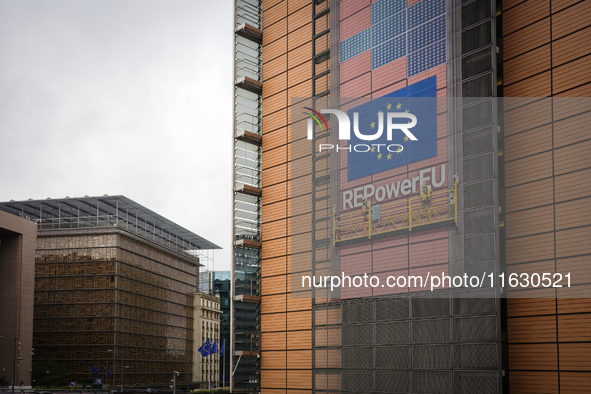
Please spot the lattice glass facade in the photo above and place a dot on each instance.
(107, 291)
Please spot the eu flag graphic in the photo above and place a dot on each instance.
(372, 157)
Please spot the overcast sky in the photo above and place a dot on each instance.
(130, 97)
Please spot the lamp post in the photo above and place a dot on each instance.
(174, 375)
(121, 353)
(13, 359)
(19, 365)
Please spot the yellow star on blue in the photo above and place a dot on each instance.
(406, 138)
(389, 156)
(379, 156)
(372, 124)
(399, 106)
(388, 106)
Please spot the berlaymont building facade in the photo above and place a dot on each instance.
(506, 174)
(114, 289)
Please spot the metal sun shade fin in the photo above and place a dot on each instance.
(250, 137)
(250, 190)
(249, 84)
(250, 32)
(247, 243)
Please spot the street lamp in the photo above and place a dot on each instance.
(121, 353)
(175, 374)
(13, 358)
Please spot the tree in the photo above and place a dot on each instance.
(48, 373)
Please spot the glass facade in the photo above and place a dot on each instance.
(101, 292)
(244, 309)
(222, 286)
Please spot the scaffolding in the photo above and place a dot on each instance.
(396, 217)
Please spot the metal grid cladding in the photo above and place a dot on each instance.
(420, 343)
(432, 357)
(357, 381)
(393, 357)
(425, 344)
(246, 223)
(476, 356)
(392, 309)
(393, 381)
(392, 333)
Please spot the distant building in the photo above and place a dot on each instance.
(222, 287)
(205, 282)
(17, 278)
(114, 283)
(206, 326)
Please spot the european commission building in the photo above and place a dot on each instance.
(458, 235)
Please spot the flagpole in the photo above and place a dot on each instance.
(224, 366)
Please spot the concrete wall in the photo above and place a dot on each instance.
(17, 280)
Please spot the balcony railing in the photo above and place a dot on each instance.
(398, 216)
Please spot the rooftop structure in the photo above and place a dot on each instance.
(109, 211)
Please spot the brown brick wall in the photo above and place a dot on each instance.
(547, 53)
(286, 323)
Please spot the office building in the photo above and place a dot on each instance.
(205, 281)
(544, 52)
(114, 285)
(206, 326)
(515, 187)
(17, 279)
(221, 287)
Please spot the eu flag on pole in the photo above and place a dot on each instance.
(418, 99)
(222, 348)
(93, 369)
(204, 349)
(214, 347)
(108, 371)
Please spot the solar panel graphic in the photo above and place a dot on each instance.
(417, 31)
